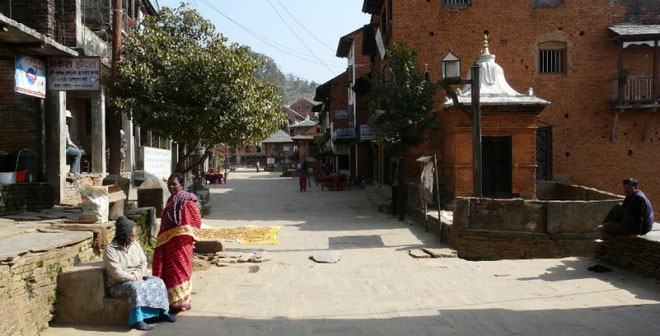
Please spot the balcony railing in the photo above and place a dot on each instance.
(636, 90)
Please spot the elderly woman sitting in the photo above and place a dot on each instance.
(126, 266)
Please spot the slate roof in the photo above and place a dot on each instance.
(305, 123)
(279, 137)
(635, 29)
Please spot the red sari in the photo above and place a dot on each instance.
(174, 248)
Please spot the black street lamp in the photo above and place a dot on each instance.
(451, 75)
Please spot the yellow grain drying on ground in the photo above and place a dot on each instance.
(250, 235)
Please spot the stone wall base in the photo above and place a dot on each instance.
(491, 245)
(28, 288)
(639, 254)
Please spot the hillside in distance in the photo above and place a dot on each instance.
(291, 87)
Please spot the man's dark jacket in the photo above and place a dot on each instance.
(638, 213)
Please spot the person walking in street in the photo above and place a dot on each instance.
(72, 149)
(258, 166)
(126, 267)
(303, 172)
(180, 224)
(633, 217)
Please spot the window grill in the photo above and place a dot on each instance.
(551, 61)
(457, 3)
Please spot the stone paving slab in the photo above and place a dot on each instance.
(378, 289)
(39, 241)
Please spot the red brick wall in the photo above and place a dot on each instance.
(339, 99)
(580, 113)
(305, 108)
(36, 14)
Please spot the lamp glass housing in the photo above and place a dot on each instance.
(451, 67)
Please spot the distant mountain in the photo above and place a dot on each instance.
(291, 87)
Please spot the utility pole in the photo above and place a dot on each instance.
(114, 114)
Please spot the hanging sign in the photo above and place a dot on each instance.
(368, 132)
(74, 73)
(380, 43)
(30, 76)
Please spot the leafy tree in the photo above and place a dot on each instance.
(182, 80)
(406, 94)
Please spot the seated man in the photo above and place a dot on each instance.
(126, 266)
(71, 148)
(634, 217)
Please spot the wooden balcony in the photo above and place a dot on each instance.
(637, 91)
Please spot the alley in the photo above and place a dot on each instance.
(377, 288)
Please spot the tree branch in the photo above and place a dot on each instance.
(207, 153)
(454, 98)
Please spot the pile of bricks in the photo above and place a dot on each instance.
(641, 254)
(16, 198)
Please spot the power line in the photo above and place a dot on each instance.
(265, 40)
(303, 27)
(299, 39)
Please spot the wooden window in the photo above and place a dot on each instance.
(552, 61)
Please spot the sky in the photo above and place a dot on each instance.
(320, 24)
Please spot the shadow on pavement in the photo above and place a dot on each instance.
(456, 320)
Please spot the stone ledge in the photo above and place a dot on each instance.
(639, 254)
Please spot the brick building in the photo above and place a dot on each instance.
(577, 54)
(279, 149)
(304, 106)
(70, 28)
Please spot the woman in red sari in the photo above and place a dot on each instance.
(180, 224)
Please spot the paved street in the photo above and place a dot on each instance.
(377, 289)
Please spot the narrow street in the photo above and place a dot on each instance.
(377, 288)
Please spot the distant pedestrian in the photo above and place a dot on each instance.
(303, 172)
(633, 217)
(258, 166)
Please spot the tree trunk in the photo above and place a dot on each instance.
(114, 115)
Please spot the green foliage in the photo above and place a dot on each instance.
(29, 282)
(291, 88)
(406, 94)
(182, 80)
(144, 237)
(53, 270)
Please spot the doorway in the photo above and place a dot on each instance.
(497, 171)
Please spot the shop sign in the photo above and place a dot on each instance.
(157, 162)
(74, 73)
(368, 132)
(30, 76)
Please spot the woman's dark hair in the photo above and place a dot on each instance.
(179, 177)
(123, 230)
(631, 182)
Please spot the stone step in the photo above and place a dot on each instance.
(82, 298)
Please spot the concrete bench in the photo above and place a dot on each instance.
(639, 254)
(82, 298)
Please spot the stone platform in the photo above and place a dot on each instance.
(639, 254)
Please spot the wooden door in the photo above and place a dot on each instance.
(497, 170)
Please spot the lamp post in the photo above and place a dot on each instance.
(451, 75)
